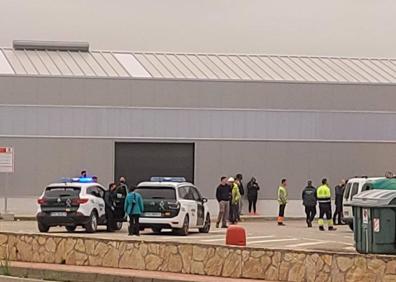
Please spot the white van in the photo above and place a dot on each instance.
(354, 186)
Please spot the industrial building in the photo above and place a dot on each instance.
(65, 108)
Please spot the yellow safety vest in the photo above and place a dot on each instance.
(282, 195)
(323, 194)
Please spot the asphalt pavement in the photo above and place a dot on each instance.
(260, 234)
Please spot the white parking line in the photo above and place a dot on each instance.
(307, 244)
(248, 238)
(271, 241)
(191, 237)
(218, 231)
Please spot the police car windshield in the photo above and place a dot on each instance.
(62, 192)
(153, 193)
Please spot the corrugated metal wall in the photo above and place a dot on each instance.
(39, 161)
(111, 108)
(175, 123)
(195, 94)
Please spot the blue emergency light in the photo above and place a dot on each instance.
(77, 179)
(167, 179)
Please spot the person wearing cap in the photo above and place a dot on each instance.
(282, 201)
(309, 202)
(323, 194)
(235, 197)
(83, 174)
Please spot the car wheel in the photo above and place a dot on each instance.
(206, 227)
(156, 229)
(42, 227)
(351, 226)
(71, 228)
(184, 230)
(92, 225)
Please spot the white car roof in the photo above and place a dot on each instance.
(364, 179)
(164, 184)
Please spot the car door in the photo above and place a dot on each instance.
(191, 205)
(200, 206)
(101, 202)
(96, 200)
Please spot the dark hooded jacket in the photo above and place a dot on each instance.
(309, 196)
(252, 190)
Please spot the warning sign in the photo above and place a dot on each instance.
(376, 223)
(6, 159)
(365, 216)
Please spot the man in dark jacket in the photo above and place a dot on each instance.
(309, 202)
(109, 197)
(223, 196)
(252, 193)
(339, 194)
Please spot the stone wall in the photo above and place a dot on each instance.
(276, 265)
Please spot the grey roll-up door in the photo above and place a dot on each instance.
(140, 161)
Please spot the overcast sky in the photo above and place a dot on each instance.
(300, 27)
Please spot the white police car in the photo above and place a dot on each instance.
(75, 202)
(173, 203)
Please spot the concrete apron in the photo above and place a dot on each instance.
(200, 259)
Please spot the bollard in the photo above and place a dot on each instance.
(236, 235)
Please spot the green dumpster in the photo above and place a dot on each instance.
(374, 216)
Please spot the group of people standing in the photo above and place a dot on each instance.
(311, 196)
(229, 195)
(133, 205)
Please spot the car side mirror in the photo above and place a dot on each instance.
(204, 200)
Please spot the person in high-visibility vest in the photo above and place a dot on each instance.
(282, 200)
(323, 195)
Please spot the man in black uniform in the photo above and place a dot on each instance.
(110, 207)
(339, 195)
(309, 202)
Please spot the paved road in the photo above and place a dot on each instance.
(265, 234)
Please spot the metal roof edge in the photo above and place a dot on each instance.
(231, 54)
(201, 80)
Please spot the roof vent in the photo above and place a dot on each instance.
(50, 45)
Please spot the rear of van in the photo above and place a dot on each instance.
(354, 186)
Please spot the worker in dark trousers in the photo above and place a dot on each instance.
(109, 197)
(323, 194)
(339, 195)
(133, 208)
(309, 202)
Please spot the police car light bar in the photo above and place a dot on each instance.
(77, 179)
(167, 179)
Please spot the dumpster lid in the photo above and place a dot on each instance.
(384, 184)
(375, 198)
